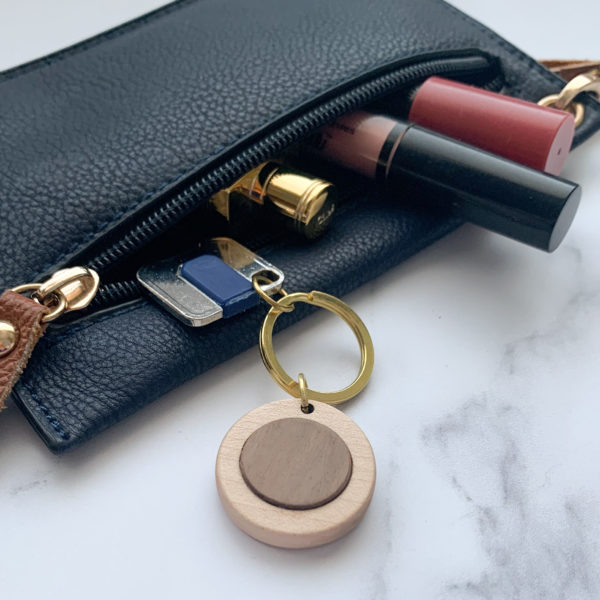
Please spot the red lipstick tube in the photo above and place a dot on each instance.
(490, 191)
(537, 136)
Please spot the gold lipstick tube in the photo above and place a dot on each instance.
(307, 202)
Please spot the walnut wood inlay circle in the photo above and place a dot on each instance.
(286, 527)
(296, 463)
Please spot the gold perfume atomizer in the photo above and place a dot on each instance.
(306, 202)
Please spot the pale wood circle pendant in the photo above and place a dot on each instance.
(295, 480)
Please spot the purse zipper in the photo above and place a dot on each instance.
(173, 209)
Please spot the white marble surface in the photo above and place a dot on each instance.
(483, 412)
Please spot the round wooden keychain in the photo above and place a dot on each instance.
(298, 473)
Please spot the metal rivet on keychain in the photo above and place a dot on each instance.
(298, 473)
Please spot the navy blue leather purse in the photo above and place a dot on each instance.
(111, 149)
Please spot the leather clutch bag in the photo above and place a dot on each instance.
(111, 149)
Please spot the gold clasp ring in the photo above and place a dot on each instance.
(341, 309)
(575, 108)
(565, 100)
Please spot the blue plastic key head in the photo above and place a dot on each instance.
(230, 290)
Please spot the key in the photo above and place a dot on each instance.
(214, 285)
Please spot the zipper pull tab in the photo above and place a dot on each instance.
(588, 81)
(26, 310)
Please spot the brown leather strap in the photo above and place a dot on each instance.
(25, 315)
(567, 69)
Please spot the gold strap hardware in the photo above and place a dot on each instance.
(68, 289)
(27, 309)
(565, 100)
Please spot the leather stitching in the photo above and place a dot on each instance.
(54, 423)
(48, 342)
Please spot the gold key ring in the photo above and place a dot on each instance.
(341, 309)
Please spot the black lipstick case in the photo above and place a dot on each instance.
(506, 197)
